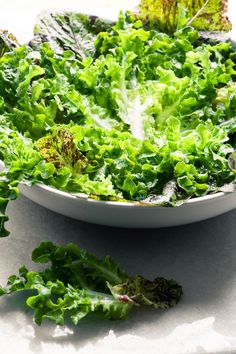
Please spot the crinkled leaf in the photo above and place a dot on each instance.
(165, 198)
(160, 293)
(203, 14)
(58, 290)
(68, 31)
(19, 159)
(78, 266)
(8, 192)
(59, 149)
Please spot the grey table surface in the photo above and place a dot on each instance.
(201, 256)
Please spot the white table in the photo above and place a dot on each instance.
(202, 257)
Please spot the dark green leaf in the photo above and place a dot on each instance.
(69, 31)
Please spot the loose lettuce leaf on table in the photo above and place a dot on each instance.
(69, 31)
(210, 15)
(78, 283)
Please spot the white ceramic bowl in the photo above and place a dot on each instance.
(129, 214)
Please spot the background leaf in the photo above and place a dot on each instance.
(203, 14)
(7, 42)
(69, 31)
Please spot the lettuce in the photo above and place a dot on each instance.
(61, 151)
(143, 116)
(78, 283)
(7, 42)
(210, 15)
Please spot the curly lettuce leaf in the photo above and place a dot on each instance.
(8, 192)
(78, 283)
(59, 149)
(77, 266)
(20, 160)
(167, 16)
(55, 301)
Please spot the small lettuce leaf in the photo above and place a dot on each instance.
(77, 266)
(68, 31)
(168, 15)
(7, 42)
(53, 300)
(8, 191)
(18, 158)
(59, 148)
(78, 283)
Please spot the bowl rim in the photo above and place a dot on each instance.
(86, 198)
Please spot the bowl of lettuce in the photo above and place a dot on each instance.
(129, 123)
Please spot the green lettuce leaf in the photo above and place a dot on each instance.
(19, 160)
(69, 31)
(59, 149)
(8, 192)
(167, 16)
(77, 266)
(78, 283)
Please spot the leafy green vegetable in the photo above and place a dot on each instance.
(7, 42)
(59, 149)
(137, 115)
(68, 30)
(203, 14)
(78, 283)
(21, 159)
